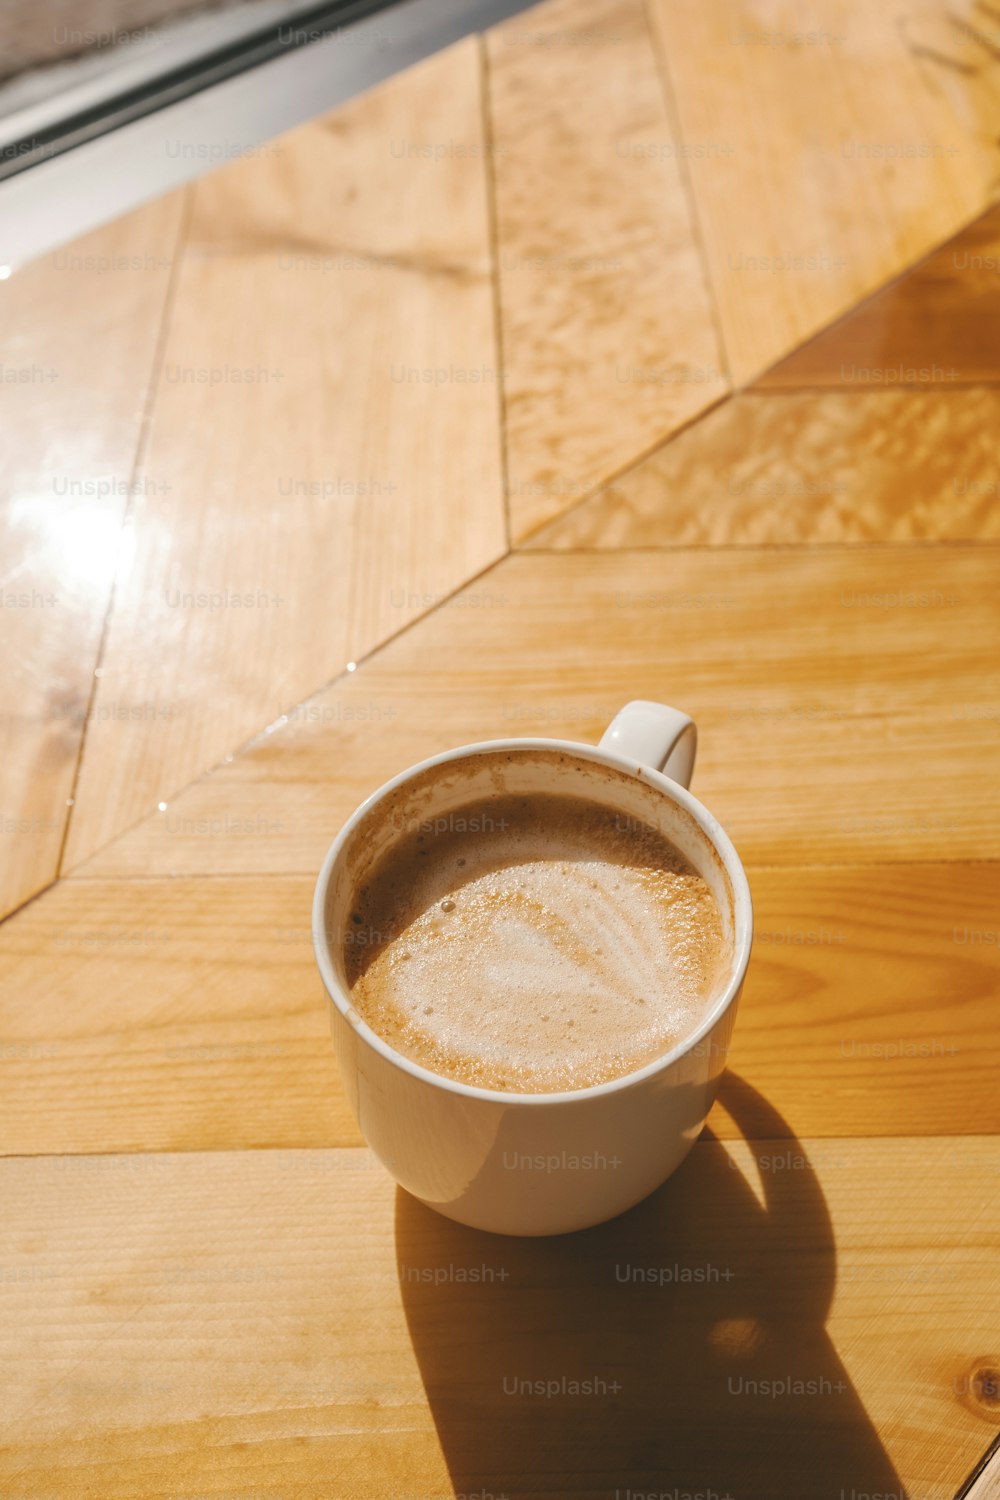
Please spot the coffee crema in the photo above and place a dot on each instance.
(534, 944)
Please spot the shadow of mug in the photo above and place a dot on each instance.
(678, 1350)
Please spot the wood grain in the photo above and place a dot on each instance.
(841, 1022)
(187, 1014)
(608, 340)
(827, 164)
(327, 429)
(414, 146)
(807, 467)
(255, 1324)
(176, 1015)
(78, 331)
(821, 741)
(938, 325)
(957, 49)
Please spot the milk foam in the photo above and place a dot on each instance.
(535, 944)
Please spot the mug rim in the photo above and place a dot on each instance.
(706, 821)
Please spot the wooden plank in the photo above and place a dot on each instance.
(841, 159)
(397, 174)
(821, 740)
(607, 332)
(178, 1015)
(78, 331)
(331, 446)
(287, 1323)
(938, 325)
(870, 1007)
(187, 1014)
(808, 466)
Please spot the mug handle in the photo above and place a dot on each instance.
(656, 736)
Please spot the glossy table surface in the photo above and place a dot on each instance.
(621, 352)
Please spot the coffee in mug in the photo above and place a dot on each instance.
(534, 944)
(531, 1040)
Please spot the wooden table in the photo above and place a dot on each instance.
(619, 353)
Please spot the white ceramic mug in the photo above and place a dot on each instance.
(535, 1164)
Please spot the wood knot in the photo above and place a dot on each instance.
(980, 1386)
